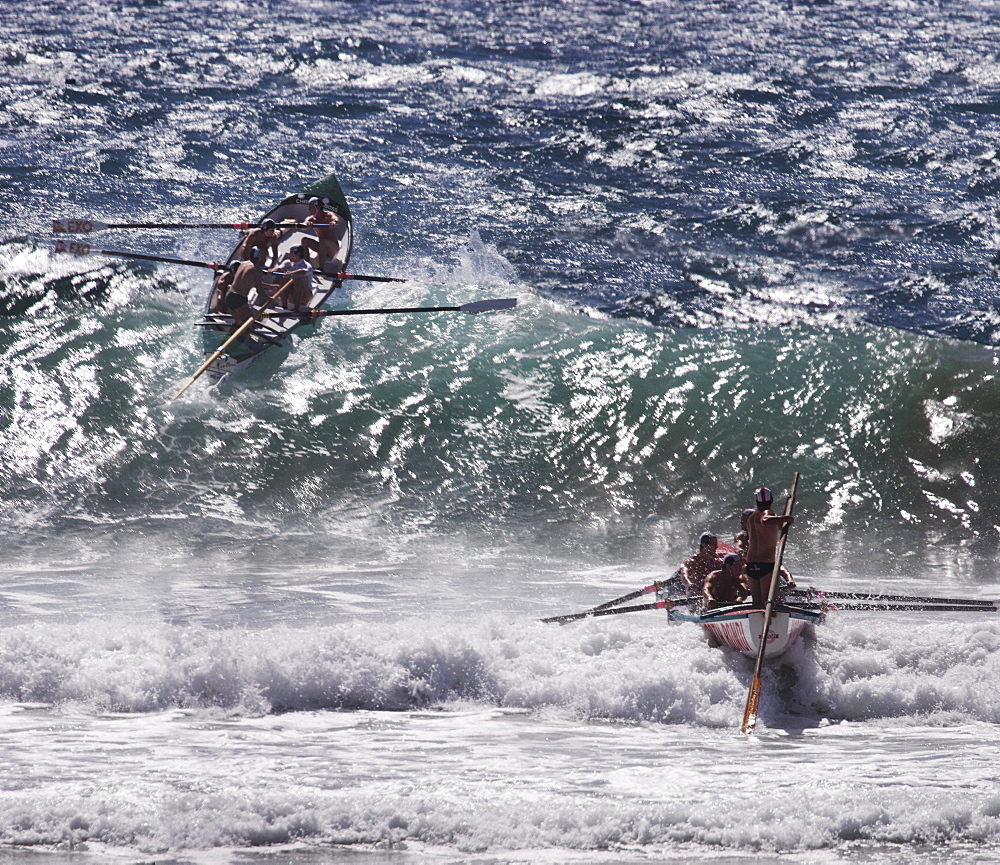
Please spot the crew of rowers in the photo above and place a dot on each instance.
(258, 255)
(745, 572)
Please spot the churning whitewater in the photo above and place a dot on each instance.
(295, 617)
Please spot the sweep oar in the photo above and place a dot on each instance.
(89, 226)
(753, 696)
(587, 614)
(243, 328)
(75, 247)
(865, 596)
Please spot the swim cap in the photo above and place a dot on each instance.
(315, 202)
(297, 250)
(706, 537)
(267, 224)
(731, 559)
(233, 266)
(763, 495)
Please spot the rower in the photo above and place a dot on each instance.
(301, 271)
(725, 586)
(265, 237)
(763, 526)
(325, 244)
(218, 303)
(701, 564)
(742, 537)
(249, 275)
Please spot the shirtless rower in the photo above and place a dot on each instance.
(264, 237)
(725, 586)
(222, 284)
(701, 564)
(763, 526)
(249, 274)
(325, 244)
(742, 537)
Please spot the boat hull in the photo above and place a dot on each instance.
(276, 331)
(739, 627)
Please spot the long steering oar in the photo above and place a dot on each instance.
(243, 328)
(75, 247)
(90, 226)
(753, 697)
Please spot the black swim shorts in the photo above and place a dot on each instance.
(759, 570)
(235, 300)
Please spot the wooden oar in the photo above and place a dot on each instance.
(89, 226)
(753, 697)
(243, 328)
(587, 614)
(866, 596)
(75, 247)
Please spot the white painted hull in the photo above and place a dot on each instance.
(739, 627)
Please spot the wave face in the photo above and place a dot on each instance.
(537, 423)
(747, 239)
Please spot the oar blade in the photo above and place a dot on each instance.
(488, 305)
(77, 226)
(73, 247)
(750, 712)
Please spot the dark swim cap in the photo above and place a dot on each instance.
(732, 559)
(706, 537)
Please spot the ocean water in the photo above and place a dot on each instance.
(296, 619)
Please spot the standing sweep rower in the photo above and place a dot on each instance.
(763, 526)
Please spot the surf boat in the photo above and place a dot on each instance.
(740, 626)
(276, 330)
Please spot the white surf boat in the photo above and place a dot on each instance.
(739, 626)
(277, 328)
